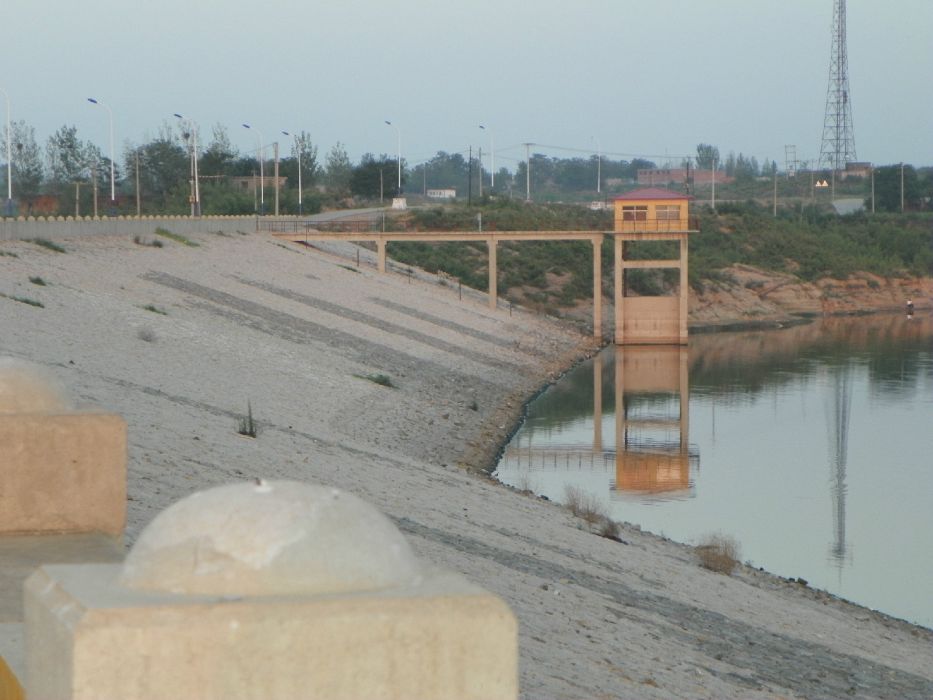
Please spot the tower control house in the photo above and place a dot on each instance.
(651, 214)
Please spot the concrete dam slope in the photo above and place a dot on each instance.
(395, 389)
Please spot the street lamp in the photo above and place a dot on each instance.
(399, 135)
(492, 158)
(193, 145)
(299, 144)
(9, 159)
(262, 181)
(113, 195)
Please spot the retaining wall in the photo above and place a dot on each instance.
(52, 227)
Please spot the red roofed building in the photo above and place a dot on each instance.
(652, 209)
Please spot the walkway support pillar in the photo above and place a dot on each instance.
(493, 273)
(381, 252)
(684, 290)
(598, 287)
(618, 290)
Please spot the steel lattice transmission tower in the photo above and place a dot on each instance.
(838, 147)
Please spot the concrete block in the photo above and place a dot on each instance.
(62, 473)
(272, 590)
(20, 555)
(88, 637)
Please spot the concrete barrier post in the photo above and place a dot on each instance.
(273, 590)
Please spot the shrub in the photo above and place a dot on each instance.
(24, 300)
(155, 309)
(380, 379)
(8, 254)
(719, 553)
(246, 426)
(45, 243)
(165, 233)
(584, 505)
(38, 281)
(146, 334)
(154, 243)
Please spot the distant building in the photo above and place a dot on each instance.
(442, 193)
(854, 169)
(251, 183)
(666, 176)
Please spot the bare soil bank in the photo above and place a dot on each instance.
(178, 340)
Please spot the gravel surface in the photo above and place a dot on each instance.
(298, 334)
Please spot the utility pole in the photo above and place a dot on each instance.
(713, 195)
(138, 208)
(902, 188)
(873, 189)
(528, 172)
(275, 152)
(470, 178)
(94, 185)
(775, 192)
(479, 162)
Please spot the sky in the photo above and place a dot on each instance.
(626, 78)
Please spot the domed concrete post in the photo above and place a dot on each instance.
(62, 493)
(272, 590)
(63, 471)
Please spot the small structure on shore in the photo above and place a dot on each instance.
(651, 214)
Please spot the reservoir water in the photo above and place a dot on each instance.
(811, 446)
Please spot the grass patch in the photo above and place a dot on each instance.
(8, 254)
(152, 243)
(246, 426)
(155, 309)
(146, 334)
(46, 243)
(719, 553)
(178, 238)
(347, 267)
(380, 379)
(24, 300)
(38, 281)
(584, 505)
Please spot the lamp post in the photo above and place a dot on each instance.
(299, 144)
(113, 194)
(8, 211)
(492, 157)
(399, 137)
(193, 153)
(262, 181)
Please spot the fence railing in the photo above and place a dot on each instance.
(660, 225)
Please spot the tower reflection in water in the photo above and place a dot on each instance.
(652, 416)
(649, 457)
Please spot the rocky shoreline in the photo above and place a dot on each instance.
(180, 339)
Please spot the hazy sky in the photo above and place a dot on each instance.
(646, 77)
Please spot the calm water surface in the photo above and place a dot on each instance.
(812, 446)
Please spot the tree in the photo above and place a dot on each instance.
(888, 188)
(706, 155)
(219, 156)
(338, 170)
(288, 166)
(68, 158)
(376, 176)
(26, 160)
(164, 172)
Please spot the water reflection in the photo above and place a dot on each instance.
(837, 422)
(650, 456)
(652, 393)
(815, 444)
